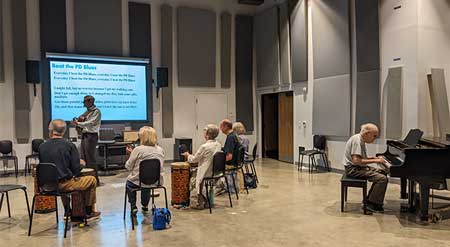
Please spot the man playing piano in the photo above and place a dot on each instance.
(357, 162)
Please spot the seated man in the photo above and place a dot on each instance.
(356, 164)
(230, 148)
(65, 156)
(231, 143)
(204, 158)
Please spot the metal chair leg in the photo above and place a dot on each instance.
(165, 196)
(342, 198)
(229, 194)
(207, 196)
(7, 203)
(234, 185)
(16, 166)
(66, 225)
(56, 206)
(254, 170)
(125, 204)
(1, 202)
(31, 216)
(28, 204)
(365, 199)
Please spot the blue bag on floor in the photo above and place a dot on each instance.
(161, 218)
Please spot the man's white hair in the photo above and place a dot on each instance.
(368, 127)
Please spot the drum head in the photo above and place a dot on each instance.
(86, 170)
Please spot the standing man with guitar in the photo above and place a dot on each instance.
(89, 125)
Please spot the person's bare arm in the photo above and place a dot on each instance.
(359, 161)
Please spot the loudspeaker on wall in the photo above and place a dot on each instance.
(162, 77)
(32, 71)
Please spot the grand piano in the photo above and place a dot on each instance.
(427, 163)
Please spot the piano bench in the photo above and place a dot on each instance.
(346, 182)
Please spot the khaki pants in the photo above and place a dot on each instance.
(378, 179)
(87, 185)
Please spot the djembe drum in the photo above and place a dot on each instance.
(43, 204)
(180, 183)
(78, 204)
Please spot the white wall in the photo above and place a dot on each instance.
(433, 52)
(184, 98)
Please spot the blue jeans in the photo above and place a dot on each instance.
(145, 195)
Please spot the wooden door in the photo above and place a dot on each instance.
(286, 126)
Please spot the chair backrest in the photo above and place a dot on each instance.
(241, 155)
(6, 147)
(254, 151)
(320, 142)
(106, 134)
(35, 144)
(219, 160)
(47, 178)
(150, 172)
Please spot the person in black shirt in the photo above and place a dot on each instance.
(231, 143)
(67, 160)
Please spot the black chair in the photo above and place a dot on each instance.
(47, 183)
(5, 188)
(150, 176)
(35, 144)
(6, 149)
(236, 168)
(218, 172)
(346, 182)
(251, 162)
(320, 143)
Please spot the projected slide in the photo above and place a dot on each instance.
(119, 90)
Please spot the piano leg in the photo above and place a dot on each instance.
(424, 201)
(403, 187)
(411, 196)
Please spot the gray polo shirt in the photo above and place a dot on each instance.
(355, 146)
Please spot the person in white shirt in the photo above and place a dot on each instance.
(148, 149)
(204, 158)
(356, 163)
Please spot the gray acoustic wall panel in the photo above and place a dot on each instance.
(367, 35)
(439, 92)
(244, 70)
(331, 38)
(393, 103)
(166, 61)
(331, 106)
(196, 47)
(299, 40)
(225, 50)
(21, 93)
(53, 38)
(267, 48)
(367, 98)
(98, 27)
(139, 17)
(283, 22)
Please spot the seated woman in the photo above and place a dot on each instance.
(148, 149)
(204, 158)
(239, 129)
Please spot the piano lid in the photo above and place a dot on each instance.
(437, 141)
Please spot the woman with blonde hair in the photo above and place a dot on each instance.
(148, 149)
(239, 130)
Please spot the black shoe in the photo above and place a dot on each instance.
(145, 210)
(134, 211)
(374, 208)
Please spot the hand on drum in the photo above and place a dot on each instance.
(185, 154)
(82, 162)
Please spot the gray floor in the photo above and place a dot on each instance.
(288, 209)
